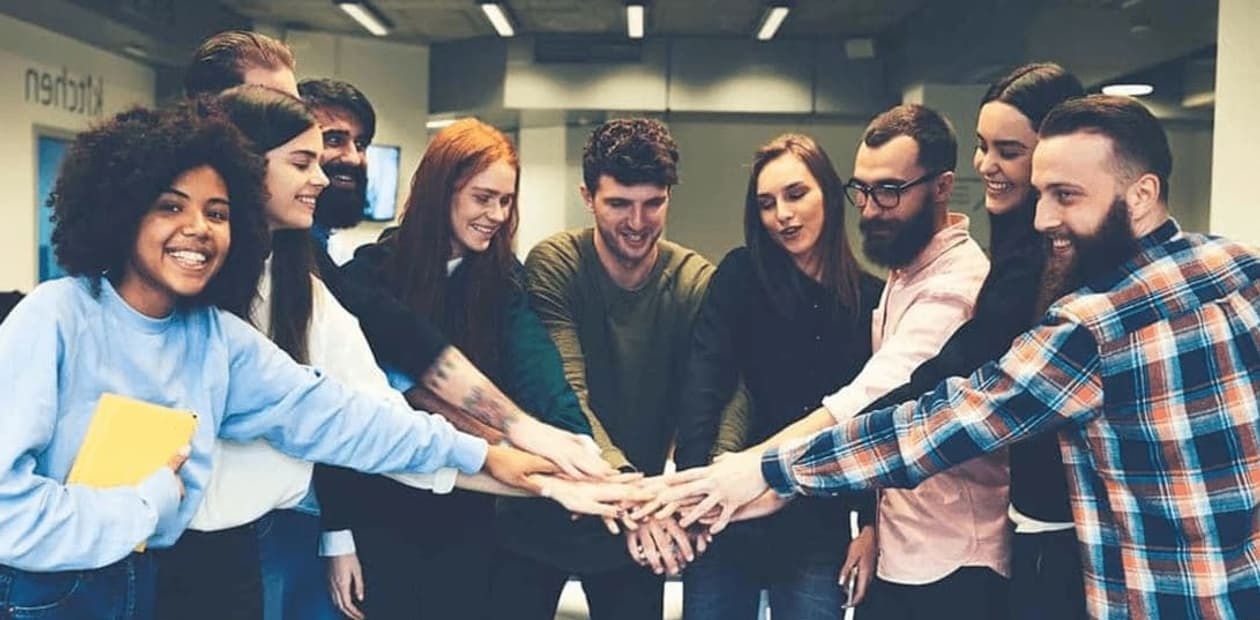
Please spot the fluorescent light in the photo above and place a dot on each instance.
(1129, 90)
(1199, 100)
(634, 21)
(771, 22)
(440, 123)
(498, 18)
(136, 50)
(367, 16)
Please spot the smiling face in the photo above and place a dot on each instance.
(1082, 210)
(344, 156)
(481, 207)
(180, 244)
(1075, 178)
(294, 182)
(1005, 140)
(791, 204)
(628, 218)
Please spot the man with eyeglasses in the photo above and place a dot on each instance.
(947, 539)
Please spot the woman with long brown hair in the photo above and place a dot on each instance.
(790, 315)
(450, 260)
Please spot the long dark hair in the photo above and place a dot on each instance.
(270, 118)
(839, 272)
(423, 241)
(1034, 89)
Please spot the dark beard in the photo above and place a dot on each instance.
(907, 240)
(1096, 254)
(342, 208)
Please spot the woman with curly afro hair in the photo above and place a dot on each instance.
(159, 222)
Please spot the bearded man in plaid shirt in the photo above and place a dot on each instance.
(1148, 370)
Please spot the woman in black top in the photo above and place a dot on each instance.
(450, 261)
(1046, 577)
(789, 314)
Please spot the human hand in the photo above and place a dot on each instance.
(603, 499)
(727, 484)
(766, 504)
(177, 462)
(863, 554)
(576, 455)
(345, 584)
(661, 545)
(515, 468)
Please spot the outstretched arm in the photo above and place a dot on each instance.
(1049, 378)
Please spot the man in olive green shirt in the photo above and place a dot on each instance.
(619, 303)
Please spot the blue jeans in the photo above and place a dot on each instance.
(726, 582)
(294, 579)
(120, 591)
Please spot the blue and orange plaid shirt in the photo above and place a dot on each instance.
(1151, 377)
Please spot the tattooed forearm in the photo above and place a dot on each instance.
(487, 408)
(424, 400)
(456, 381)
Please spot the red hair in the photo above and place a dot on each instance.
(423, 241)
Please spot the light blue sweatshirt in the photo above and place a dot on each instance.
(61, 348)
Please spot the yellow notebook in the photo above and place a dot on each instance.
(127, 440)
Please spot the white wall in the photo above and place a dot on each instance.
(393, 76)
(23, 47)
(544, 183)
(1234, 150)
(1190, 187)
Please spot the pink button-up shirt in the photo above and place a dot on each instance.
(956, 518)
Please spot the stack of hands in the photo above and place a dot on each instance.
(669, 520)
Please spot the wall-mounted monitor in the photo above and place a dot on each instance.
(50, 146)
(382, 185)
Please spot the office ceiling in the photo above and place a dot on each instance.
(952, 41)
(446, 20)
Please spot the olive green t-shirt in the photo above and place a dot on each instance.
(625, 354)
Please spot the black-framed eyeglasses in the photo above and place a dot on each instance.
(885, 195)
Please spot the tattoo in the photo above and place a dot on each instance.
(440, 372)
(486, 408)
(456, 381)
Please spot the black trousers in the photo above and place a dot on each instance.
(211, 575)
(405, 578)
(971, 592)
(1046, 579)
(525, 589)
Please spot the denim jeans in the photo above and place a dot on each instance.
(726, 582)
(294, 579)
(121, 591)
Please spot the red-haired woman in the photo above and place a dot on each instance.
(450, 260)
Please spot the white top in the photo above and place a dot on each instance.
(251, 479)
(1025, 524)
